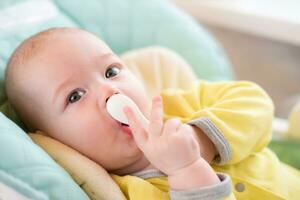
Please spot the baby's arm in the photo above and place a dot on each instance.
(172, 148)
(235, 115)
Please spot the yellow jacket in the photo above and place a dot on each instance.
(243, 113)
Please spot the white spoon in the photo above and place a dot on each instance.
(115, 105)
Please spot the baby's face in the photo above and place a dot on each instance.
(70, 81)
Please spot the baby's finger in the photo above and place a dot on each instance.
(156, 117)
(138, 132)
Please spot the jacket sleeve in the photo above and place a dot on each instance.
(218, 191)
(236, 116)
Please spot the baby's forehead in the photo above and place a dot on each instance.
(59, 45)
(32, 46)
(56, 36)
(37, 43)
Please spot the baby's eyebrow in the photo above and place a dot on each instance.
(108, 54)
(100, 58)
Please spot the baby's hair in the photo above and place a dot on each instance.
(16, 66)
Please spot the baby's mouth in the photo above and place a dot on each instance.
(126, 129)
(122, 124)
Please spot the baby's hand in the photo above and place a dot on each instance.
(169, 146)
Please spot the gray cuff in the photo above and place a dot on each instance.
(150, 173)
(214, 192)
(215, 135)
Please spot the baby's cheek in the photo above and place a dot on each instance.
(75, 132)
(96, 132)
(90, 131)
(87, 139)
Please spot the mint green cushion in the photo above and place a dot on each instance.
(124, 25)
(21, 187)
(27, 162)
(131, 24)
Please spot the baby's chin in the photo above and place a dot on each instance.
(131, 167)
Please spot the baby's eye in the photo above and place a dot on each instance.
(112, 71)
(75, 96)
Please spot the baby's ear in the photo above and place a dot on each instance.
(8, 110)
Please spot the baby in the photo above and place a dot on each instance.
(62, 79)
(59, 80)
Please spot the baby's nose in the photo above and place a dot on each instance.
(107, 90)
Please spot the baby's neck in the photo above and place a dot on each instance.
(141, 165)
